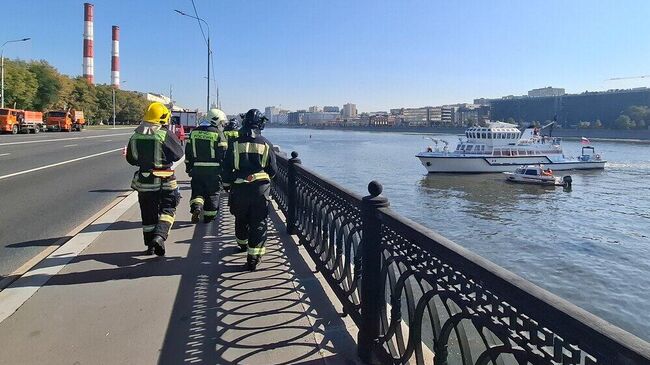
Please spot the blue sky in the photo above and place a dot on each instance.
(378, 54)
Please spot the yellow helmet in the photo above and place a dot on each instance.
(157, 113)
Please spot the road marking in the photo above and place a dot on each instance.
(24, 287)
(4, 154)
(70, 145)
(108, 140)
(57, 164)
(62, 139)
(17, 294)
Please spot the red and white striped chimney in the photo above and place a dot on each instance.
(115, 58)
(88, 66)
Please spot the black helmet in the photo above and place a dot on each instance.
(232, 125)
(254, 119)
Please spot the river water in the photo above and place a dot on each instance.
(590, 245)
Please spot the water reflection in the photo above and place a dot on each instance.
(484, 196)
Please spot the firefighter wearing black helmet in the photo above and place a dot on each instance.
(249, 166)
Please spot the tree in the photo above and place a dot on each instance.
(598, 124)
(20, 85)
(510, 120)
(641, 124)
(84, 98)
(49, 84)
(637, 112)
(623, 122)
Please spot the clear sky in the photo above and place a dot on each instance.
(375, 53)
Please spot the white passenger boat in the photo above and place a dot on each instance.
(537, 175)
(501, 147)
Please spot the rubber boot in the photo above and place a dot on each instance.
(158, 245)
(196, 215)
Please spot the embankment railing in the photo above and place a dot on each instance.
(418, 297)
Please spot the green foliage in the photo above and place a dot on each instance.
(38, 86)
(20, 85)
(48, 87)
(623, 122)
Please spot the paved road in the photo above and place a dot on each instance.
(40, 203)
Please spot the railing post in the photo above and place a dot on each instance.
(291, 192)
(371, 291)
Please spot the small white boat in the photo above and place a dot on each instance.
(538, 175)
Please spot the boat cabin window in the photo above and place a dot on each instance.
(497, 152)
(483, 135)
(468, 148)
(531, 172)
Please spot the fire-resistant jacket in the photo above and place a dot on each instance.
(205, 148)
(249, 158)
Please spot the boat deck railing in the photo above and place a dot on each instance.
(417, 296)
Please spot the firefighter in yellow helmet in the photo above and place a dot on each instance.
(154, 150)
(203, 156)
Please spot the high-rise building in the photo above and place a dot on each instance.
(546, 91)
(331, 109)
(314, 109)
(349, 110)
(269, 112)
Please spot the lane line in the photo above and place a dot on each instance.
(58, 164)
(48, 251)
(4, 154)
(63, 139)
(71, 145)
(108, 140)
(24, 287)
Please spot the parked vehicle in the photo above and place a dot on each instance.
(9, 121)
(189, 120)
(65, 120)
(31, 122)
(20, 121)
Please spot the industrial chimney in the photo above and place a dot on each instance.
(115, 58)
(88, 67)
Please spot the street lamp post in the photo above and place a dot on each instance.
(113, 88)
(2, 66)
(207, 108)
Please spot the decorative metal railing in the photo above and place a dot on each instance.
(418, 297)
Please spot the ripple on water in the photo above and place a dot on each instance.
(589, 245)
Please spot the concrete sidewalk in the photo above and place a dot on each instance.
(112, 305)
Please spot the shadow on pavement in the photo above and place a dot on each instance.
(224, 315)
(38, 243)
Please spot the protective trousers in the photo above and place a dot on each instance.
(205, 193)
(158, 209)
(249, 204)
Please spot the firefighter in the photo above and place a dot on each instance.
(231, 130)
(154, 149)
(203, 156)
(249, 166)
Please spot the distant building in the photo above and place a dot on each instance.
(570, 109)
(472, 114)
(153, 97)
(281, 118)
(482, 101)
(331, 109)
(314, 109)
(545, 92)
(296, 118)
(269, 112)
(349, 110)
(319, 117)
(382, 120)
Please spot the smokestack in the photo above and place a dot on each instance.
(88, 66)
(115, 58)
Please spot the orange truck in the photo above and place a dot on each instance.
(24, 121)
(65, 120)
